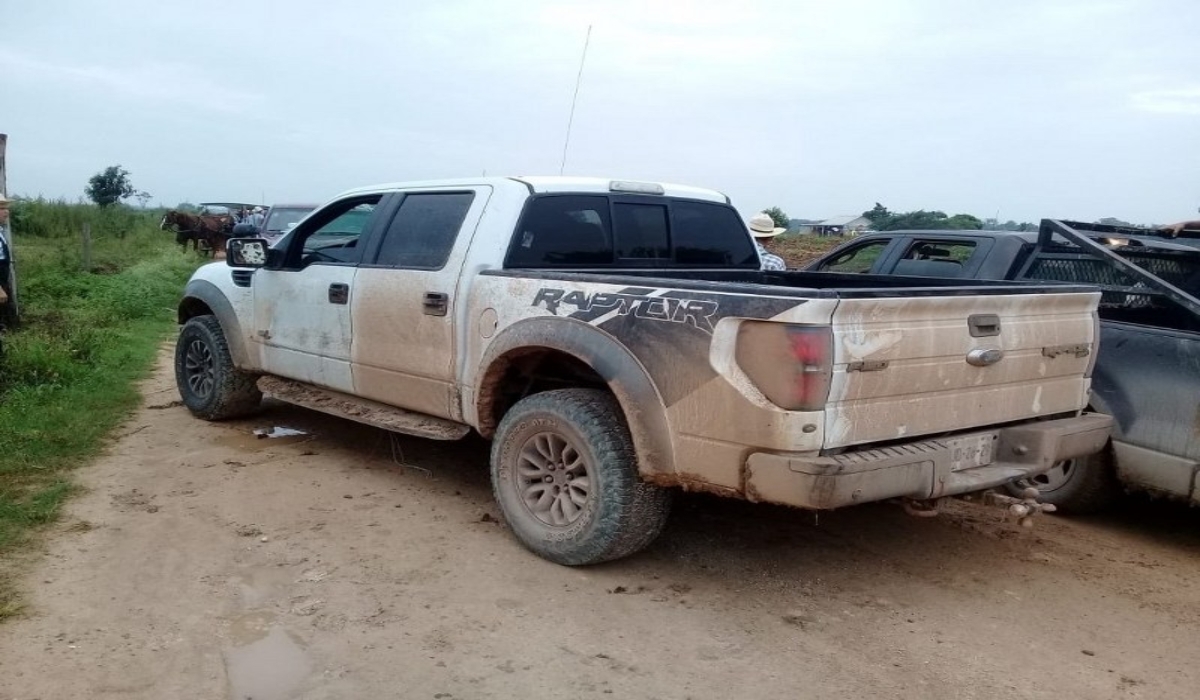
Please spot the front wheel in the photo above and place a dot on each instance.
(1080, 485)
(564, 473)
(210, 385)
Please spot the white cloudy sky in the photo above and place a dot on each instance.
(1067, 108)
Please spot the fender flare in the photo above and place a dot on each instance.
(208, 294)
(640, 401)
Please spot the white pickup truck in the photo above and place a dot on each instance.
(616, 339)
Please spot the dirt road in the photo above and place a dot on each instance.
(203, 562)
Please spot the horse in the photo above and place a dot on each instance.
(212, 230)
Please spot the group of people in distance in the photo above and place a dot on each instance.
(254, 217)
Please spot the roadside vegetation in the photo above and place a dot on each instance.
(87, 333)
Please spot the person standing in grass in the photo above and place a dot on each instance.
(763, 228)
(8, 306)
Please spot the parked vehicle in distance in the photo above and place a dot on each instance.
(1147, 375)
(614, 339)
(281, 218)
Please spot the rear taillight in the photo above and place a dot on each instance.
(791, 365)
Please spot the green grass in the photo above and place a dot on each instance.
(68, 374)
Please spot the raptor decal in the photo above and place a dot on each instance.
(639, 303)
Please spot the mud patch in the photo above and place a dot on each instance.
(133, 500)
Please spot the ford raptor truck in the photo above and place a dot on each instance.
(616, 341)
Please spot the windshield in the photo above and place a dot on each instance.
(284, 218)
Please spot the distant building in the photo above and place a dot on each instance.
(839, 226)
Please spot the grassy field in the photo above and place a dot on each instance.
(67, 375)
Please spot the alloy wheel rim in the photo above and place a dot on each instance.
(554, 479)
(200, 368)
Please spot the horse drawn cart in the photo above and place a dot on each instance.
(207, 229)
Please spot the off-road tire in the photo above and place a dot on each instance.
(1089, 485)
(209, 384)
(621, 514)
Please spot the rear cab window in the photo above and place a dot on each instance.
(935, 258)
(598, 231)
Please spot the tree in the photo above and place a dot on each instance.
(781, 220)
(110, 186)
(1010, 225)
(921, 220)
(962, 222)
(878, 214)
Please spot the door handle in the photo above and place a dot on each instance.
(983, 325)
(339, 293)
(436, 303)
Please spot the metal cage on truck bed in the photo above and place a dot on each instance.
(1140, 280)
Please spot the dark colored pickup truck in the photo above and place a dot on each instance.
(1147, 375)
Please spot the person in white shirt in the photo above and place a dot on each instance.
(763, 227)
(256, 217)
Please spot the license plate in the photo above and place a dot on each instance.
(972, 451)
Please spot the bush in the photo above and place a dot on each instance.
(67, 373)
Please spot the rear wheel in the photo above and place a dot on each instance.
(1080, 485)
(210, 385)
(565, 476)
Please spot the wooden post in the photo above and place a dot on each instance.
(87, 247)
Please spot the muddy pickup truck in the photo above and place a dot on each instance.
(617, 339)
(1147, 374)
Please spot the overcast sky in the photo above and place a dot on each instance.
(1066, 108)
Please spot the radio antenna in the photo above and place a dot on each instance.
(574, 99)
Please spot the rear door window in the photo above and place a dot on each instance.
(424, 230)
(858, 259)
(563, 231)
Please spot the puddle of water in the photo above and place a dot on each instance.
(251, 627)
(277, 432)
(263, 438)
(268, 668)
(260, 585)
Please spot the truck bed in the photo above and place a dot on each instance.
(824, 285)
(906, 359)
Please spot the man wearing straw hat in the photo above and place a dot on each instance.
(763, 227)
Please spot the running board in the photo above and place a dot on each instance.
(380, 415)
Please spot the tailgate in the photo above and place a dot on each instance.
(913, 366)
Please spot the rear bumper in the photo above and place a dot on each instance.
(925, 469)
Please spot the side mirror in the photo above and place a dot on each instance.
(246, 252)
